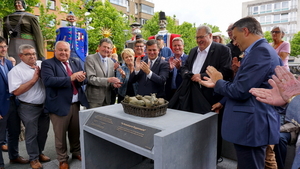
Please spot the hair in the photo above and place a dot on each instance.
(178, 39)
(107, 40)
(282, 30)
(128, 51)
(207, 29)
(250, 23)
(114, 55)
(61, 42)
(139, 41)
(152, 42)
(2, 39)
(25, 46)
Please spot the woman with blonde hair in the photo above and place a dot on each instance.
(123, 74)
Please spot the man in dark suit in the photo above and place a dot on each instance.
(63, 77)
(8, 112)
(152, 73)
(248, 123)
(191, 96)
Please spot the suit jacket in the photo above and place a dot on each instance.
(76, 37)
(4, 92)
(156, 84)
(218, 56)
(247, 121)
(59, 89)
(178, 78)
(98, 89)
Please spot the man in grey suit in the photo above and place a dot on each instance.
(100, 74)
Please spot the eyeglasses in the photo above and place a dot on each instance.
(201, 37)
(3, 47)
(215, 37)
(276, 32)
(29, 54)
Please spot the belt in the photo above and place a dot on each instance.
(31, 104)
(75, 103)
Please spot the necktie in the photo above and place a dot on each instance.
(69, 72)
(151, 63)
(105, 66)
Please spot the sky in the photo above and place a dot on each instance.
(214, 12)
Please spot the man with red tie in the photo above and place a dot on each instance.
(63, 78)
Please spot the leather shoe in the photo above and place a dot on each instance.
(19, 160)
(35, 164)
(43, 158)
(77, 157)
(63, 165)
(4, 148)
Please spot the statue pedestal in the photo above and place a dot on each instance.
(111, 138)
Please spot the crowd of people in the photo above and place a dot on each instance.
(233, 80)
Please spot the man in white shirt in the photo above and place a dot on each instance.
(24, 82)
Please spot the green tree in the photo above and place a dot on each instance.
(48, 24)
(295, 47)
(213, 28)
(187, 32)
(268, 36)
(106, 16)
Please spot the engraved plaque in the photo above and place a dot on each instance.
(134, 133)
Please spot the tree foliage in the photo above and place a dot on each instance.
(295, 47)
(268, 36)
(106, 16)
(48, 24)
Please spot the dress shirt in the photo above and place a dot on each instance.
(21, 74)
(175, 70)
(75, 96)
(200, 59)
(104, 61)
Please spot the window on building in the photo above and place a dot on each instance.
(52, 4)
(268, 8)
(285, 5)
(255, 10)
(119, 2)
(63, 23)
(284, 17)
(268, 19)
(276, 19)
(263, 9)
(64, 7)
(277, 7)
(143, 21)
(127, 6)
(147, 9)
(262, 20)
(136, 8)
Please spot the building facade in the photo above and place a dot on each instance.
(272, 13)
(141, 10)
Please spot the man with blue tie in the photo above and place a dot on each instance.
(101, 75)
(247, 123)
(63, 78)
(8, 113)
(152, 73)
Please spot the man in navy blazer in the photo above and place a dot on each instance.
(249, 124)
(9, 118)
(152, 73)
(64, 95)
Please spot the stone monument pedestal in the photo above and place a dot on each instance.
(113, 139)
